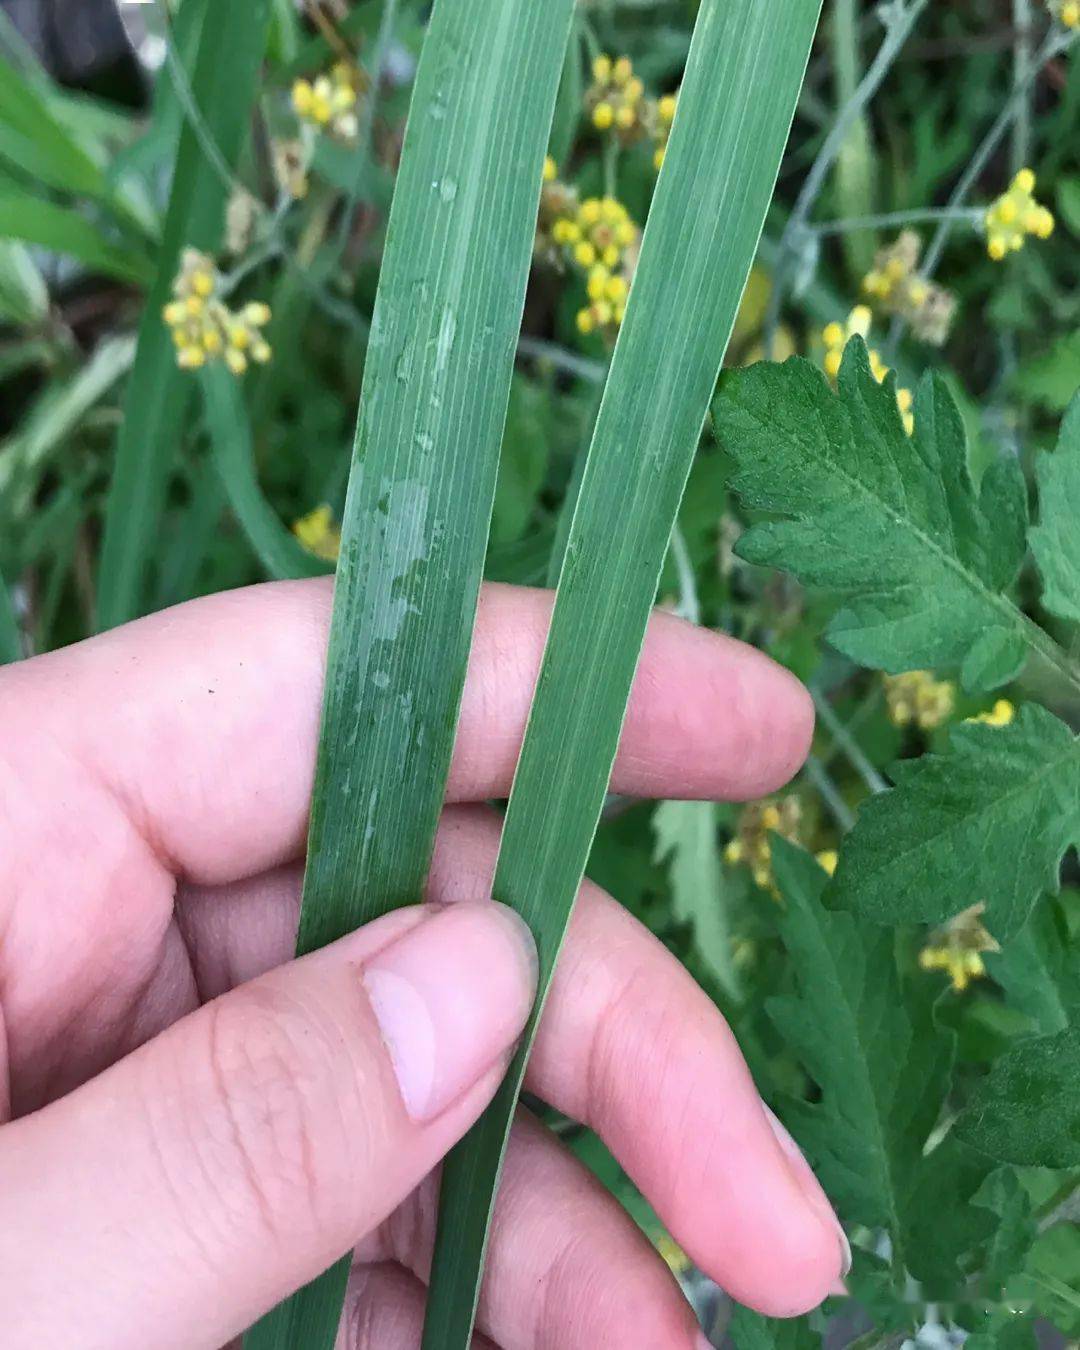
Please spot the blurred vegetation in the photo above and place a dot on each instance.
(124, 493)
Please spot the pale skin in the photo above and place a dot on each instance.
(192, 1124)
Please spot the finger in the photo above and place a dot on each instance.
(630, 1045)
(566, 1265)
(226, 692)
(209, 1174)
(384, 1310)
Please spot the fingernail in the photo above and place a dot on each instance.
(451, 997)
(809, 1185)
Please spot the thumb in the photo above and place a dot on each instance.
(173, 1199)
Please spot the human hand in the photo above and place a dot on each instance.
(194, 1129)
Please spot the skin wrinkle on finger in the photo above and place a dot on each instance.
(630, 1045)
(326, 1164)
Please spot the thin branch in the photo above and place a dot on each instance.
(899, 19)
(892, 220)
(841, 734)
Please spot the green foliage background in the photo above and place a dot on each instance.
(944, 1122)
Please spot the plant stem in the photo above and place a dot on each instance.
(899, 19)
(841, 812)
(847, 743)
(540, 349)
(1061, 1206)
(892, 219)
(1022, 50)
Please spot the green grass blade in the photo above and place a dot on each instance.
(276, 547)
(10, 640)
(435, 394)
(26, 216)
(223, 80)
(743, 76)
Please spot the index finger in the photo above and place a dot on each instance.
(202, 721)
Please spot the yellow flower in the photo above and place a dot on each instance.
(660, 120)
(616, 98)
(1014, 215)
(958, 947)
(204, 328)
(318, 533)
(894, 284)
(550, 169)
(328, 102)
(751, 846)
(835, 337)
(1000, 715)
(1066, 12)
(916, 697)
(827, 860)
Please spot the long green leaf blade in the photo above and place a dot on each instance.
(10, 640)
(223, 81)
(276, 547)
(742, 80)
(435, 394)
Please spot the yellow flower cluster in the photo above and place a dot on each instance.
(328, 103)
(1000, 715)
(319, 534)
(598, 237)
(616, 97)
(958, 948)
(1014, 215)
(600, 231)
(894, 283)
(661, 127)
(751, 845)
(835, 336)
(916, 697)
(204, 328)
(607, 293)
(1066, 12)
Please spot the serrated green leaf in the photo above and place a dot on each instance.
(1026, 1111)
(1038, 971)
(686, 842)
(1014, 1230)
(750, 1331)
(882, 1073)
(942, 1220)
(1055, 541)
(891, 522)
(1007, 1330)
(987, 821)
(1052, 378)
